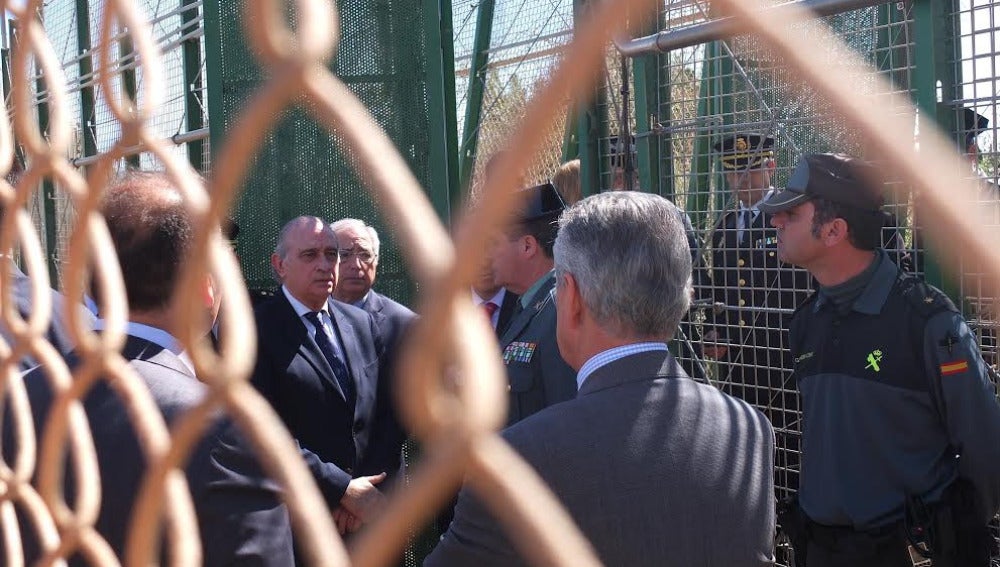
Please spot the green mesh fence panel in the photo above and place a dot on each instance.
(525, 46)
(300, 169)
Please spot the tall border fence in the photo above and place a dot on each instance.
(451, 84)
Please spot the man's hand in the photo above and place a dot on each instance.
(346, 521)
(362, 499)
(710, 347)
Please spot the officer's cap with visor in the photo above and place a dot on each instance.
(973, 124)
(835, 177)
(739, 152)
(540, 202)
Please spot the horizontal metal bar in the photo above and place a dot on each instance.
(726, 27)
(176, 139)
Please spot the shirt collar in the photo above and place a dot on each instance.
(364, 300)
(529, 295)
(607, 357)
(755, 207)
(155, 335)
(300, 308)
(875, 294)
(497, 298)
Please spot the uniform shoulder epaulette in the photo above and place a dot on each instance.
(923, 297)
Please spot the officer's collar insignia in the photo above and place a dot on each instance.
(928, 300)
(805, 356)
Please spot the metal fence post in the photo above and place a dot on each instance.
(478, 72)
(933, 72)
(648, 93)
(440, 45)
(591, 124)
(193, 102)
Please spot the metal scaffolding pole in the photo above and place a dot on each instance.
(726, 27)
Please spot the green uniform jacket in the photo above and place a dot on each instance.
(537, 375)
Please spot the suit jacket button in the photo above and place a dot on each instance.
(743, 302)
(508, 387)
(743, 281)
(741, 262)
(349, 470)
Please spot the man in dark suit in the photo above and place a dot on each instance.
(240, 515)
(359, 253)
(522, 262)
(318, 363)
(654, 468)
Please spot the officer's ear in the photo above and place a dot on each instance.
(834, 232)
(529, 246)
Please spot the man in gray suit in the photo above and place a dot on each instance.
(522, 263)
(655, 468)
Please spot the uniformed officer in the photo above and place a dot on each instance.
(752, 294)
(522, 263)
(900, 421)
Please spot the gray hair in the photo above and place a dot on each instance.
(281, 247)
(629, 255)
(360, 226)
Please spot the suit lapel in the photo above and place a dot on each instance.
(507, 306)
(375, 305)
(535, 304)
(348, 344)
(140, 349)
(307, 346)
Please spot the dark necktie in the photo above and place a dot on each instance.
(490, 308)
(330, 353)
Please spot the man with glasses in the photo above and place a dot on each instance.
(359, 252)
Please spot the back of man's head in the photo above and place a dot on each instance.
(152, 233)
(629, 255)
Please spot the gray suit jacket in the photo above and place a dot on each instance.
(537, 374)
(391, 318)
(58, 333)
(654, 468)
(241, 518)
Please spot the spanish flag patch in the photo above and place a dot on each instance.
(954, 367)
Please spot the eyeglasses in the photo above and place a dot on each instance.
(363, 256)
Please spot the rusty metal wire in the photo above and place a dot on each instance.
(458, 428)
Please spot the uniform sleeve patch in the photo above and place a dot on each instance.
(954, 367)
